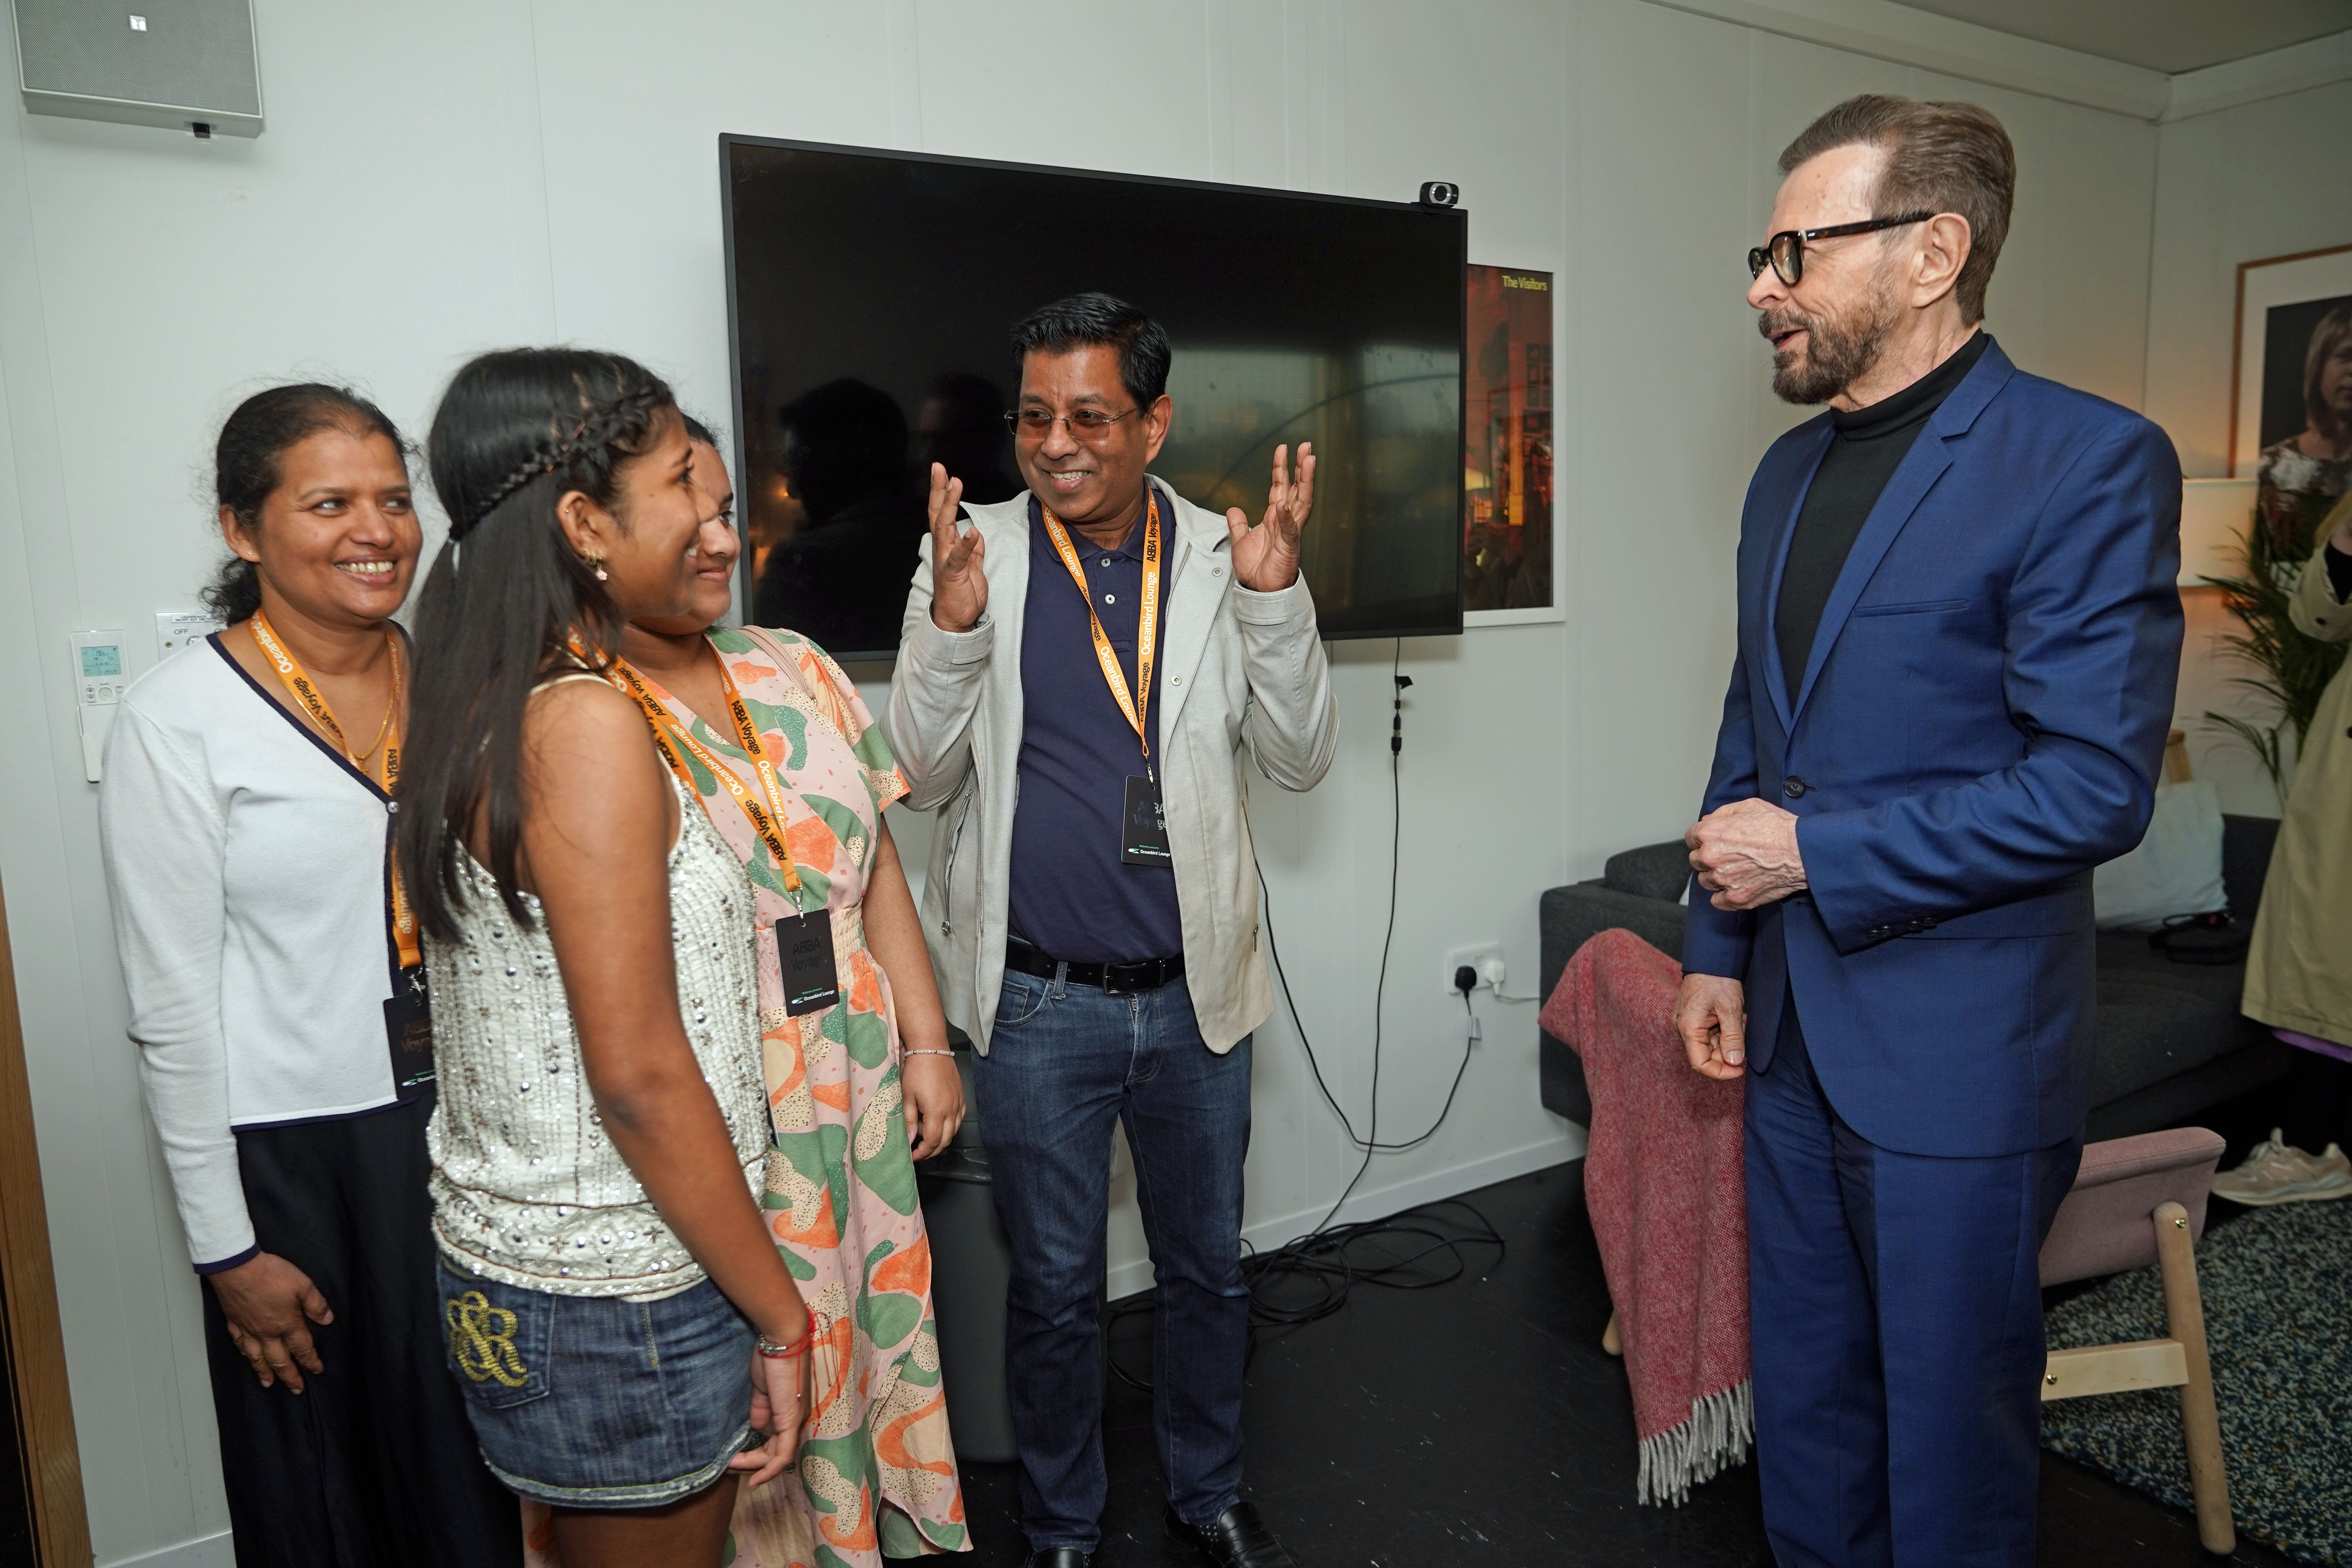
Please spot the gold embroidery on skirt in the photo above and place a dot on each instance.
(481, 1338)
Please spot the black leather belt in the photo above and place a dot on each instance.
(1115, 979)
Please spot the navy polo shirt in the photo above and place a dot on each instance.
(1071, 894)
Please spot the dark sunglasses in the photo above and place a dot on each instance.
(1785, 251)
(1086, 423)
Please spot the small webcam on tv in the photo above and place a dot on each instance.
(1440, 193)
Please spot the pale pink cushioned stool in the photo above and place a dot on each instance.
(2139, 1201)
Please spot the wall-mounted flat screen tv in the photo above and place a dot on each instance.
(871, 296)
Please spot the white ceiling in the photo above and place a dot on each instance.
(2169, 35)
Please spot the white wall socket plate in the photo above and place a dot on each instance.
(175, 629)
(1485, 957)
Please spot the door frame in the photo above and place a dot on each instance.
(43, 1404)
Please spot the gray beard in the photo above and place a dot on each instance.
(1837, 353)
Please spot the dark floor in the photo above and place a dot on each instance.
(1481, 1423)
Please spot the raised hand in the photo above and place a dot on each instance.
(958, 587)
(1266, 558)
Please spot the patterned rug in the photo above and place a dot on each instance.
(2277, 1284)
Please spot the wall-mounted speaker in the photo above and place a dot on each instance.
(184, 65)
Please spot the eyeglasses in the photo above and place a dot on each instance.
(1786, 250)
(1086, 423)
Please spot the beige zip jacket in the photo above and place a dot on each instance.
(1241, 669)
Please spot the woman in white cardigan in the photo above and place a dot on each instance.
(278, 1000)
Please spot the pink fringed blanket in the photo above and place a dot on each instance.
(1664, 1184)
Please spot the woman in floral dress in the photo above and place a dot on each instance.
(858, 1090)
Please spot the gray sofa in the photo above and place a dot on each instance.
(2171, 1039)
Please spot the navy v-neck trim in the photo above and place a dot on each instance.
(294, 718)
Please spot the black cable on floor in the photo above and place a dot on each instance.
(1311, 1277)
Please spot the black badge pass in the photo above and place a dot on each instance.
(805, 944)
(408, 1032)
(1143, 826)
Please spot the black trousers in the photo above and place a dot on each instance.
(373, 1465)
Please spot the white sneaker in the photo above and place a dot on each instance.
(2276, 1172)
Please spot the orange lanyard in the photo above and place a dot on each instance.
(676, 742)
(298, 681)
(1138, 706)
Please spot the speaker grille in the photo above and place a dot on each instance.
(193, 54)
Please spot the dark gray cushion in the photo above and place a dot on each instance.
(1653, 871)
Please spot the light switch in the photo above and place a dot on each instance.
(176, 629)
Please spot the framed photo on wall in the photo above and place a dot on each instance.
(2291, 397)
(1509, 529)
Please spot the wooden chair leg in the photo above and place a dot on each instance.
(2200, 1422)
(1612, 1339)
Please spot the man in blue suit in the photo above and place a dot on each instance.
(1959, 636)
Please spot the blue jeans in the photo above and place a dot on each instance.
(1065, 1061)
(1896, 1309)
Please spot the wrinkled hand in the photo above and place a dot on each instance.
(958, 587)
(1745, 854)
(1266, 558)
(778, 1403)
(1711, 1016)
(270, 1305)
(933, 1091)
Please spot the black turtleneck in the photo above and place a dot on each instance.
(1869, 446)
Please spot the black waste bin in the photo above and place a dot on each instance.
(972, 1268)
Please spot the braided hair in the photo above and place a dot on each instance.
(516, 432)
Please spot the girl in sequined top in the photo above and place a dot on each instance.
(617, 1317)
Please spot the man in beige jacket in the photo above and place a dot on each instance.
(1082, 668)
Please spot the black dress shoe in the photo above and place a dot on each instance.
(1236, 1538)
(1060, 1557)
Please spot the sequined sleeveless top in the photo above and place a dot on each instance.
(527, 1189)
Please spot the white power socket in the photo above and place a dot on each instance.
(1486, 958)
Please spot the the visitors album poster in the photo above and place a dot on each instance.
(1506, 425)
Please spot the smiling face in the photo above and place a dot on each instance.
(649, 541)
(1827, 331)
(717, 547)
(336, 540)
(1098, 478)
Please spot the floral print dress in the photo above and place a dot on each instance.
(875, 1473)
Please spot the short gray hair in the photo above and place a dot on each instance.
(1946, 157)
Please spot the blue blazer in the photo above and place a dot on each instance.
(1981, 722)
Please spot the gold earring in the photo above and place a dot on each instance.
(597, 564)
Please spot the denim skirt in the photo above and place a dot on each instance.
(584, 1401)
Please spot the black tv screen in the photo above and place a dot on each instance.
(871, 296)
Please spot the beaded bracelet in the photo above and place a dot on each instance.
(774, 1352)
(924, 1051)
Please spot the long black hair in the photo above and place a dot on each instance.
(249, 463)
(516, 431)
